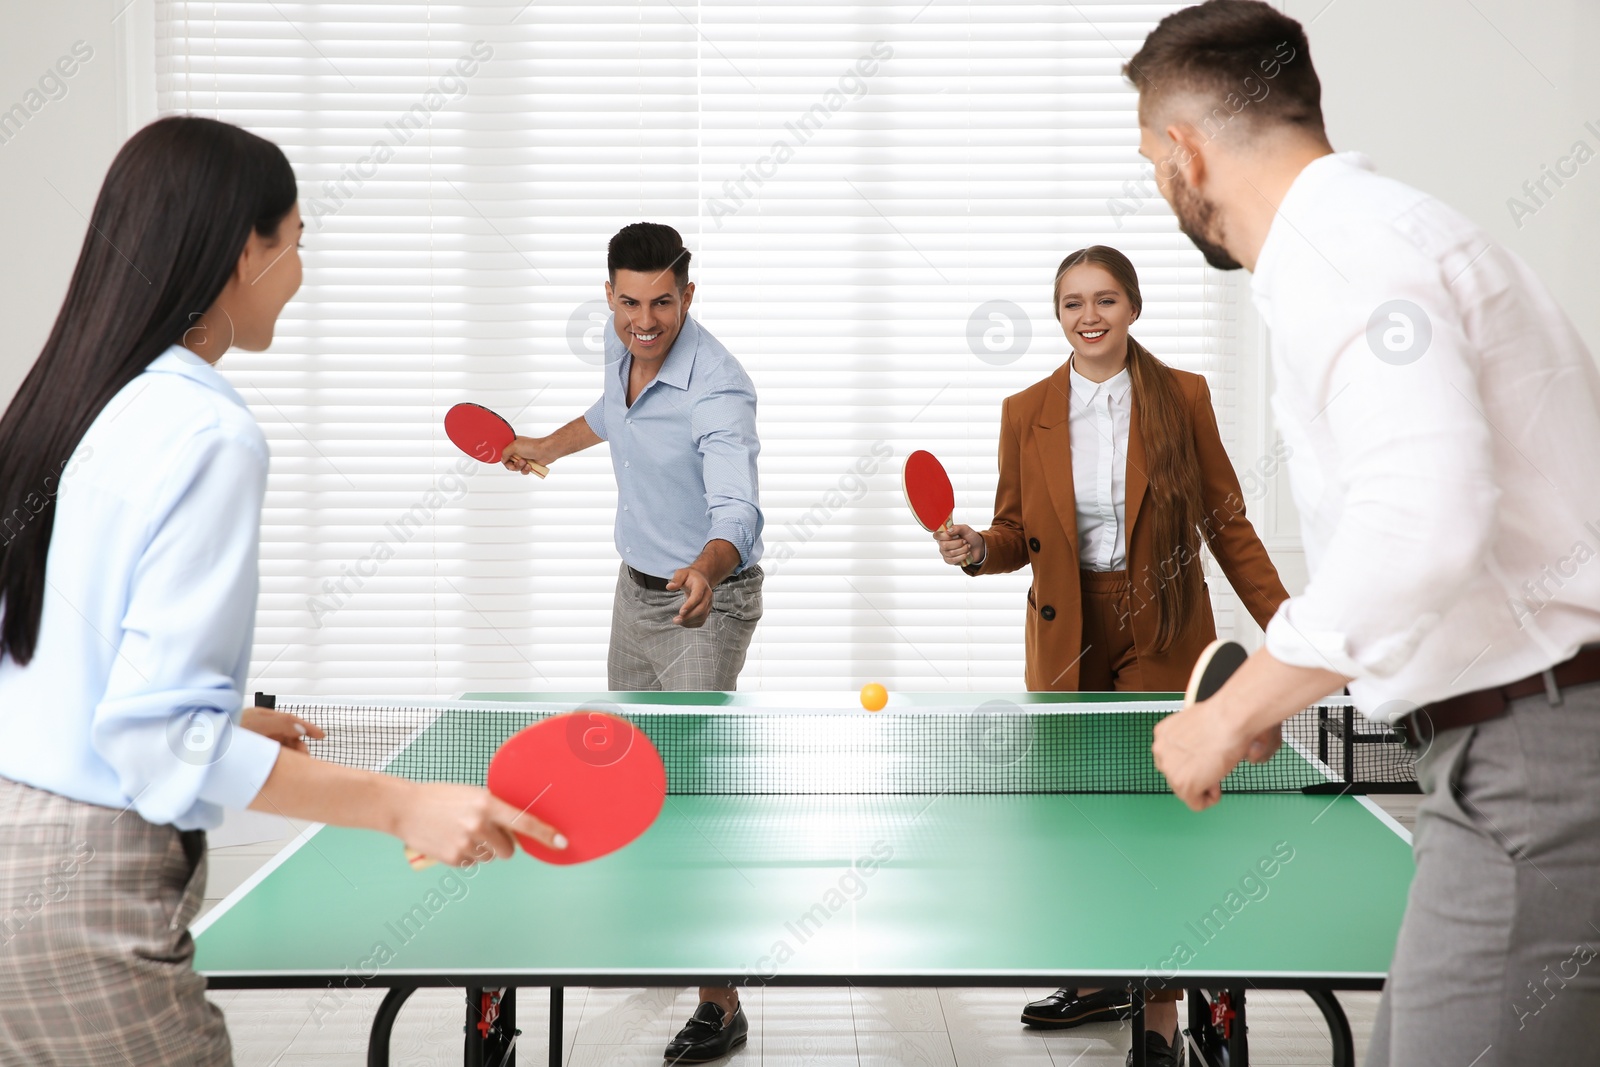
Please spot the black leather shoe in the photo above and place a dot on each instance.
(1064, 1009)
(1158, 1053)
(704, 1038)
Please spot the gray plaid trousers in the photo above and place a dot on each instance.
(649, 652)
(96, 961)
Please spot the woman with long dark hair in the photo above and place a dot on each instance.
(1112, 475)
(131, 483)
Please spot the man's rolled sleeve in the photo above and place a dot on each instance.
(1416, 476)
(167, 723)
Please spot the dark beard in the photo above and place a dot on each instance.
(1196, 219)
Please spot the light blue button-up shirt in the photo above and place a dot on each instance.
(133, 694)
(684, 454)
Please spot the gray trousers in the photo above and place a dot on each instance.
(96, 961)
(649, 652)
(1496, 963)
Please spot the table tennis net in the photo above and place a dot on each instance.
(994, 747)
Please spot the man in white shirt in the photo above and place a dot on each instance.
(1444, 421)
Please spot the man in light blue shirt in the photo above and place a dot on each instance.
(680, 415)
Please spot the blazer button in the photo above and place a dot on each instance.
(1033, 543)
(1047, 612)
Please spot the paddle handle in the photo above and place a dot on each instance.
(418, 861)
(538, 468)
(948, 527)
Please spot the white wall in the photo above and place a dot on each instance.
(1467, 101)
(51, 168)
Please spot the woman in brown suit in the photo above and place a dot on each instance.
(1111, 473)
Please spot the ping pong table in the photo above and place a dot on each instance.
(950, 840)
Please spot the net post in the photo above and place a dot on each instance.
(1349, 744)
(1322, 734)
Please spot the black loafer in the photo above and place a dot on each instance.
(1158, 1053)
(704, 1038)
(1064, 1009)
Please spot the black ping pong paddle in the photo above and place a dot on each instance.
(1215, 666)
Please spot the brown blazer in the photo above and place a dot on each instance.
(1035, 522)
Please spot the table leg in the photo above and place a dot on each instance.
(1137, 996)
(1238, 1042)
(383, 1024)
(472, 1047)
(1344, 1046)
(1199, 1023)
(491, 1037)
(1212, 1026)
(558, 1003)
(505, 1048)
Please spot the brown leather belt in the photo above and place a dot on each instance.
(1421, 726)
(659, 585)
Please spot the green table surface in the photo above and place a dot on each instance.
(819, 701)
(1279, 889)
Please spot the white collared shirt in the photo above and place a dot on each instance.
(1448, 491)
(1101, 415)
(133, 694)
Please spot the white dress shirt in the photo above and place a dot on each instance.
(133, 694)
(1448, 494)
(1101, 415)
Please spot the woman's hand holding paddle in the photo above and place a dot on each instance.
(960, 545)
(462, 824)
(595, 775)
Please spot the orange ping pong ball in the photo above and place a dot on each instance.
(874, 696)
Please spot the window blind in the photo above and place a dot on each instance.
(876, 197)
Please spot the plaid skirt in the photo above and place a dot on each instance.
(96, 961)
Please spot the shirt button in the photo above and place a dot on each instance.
(1033, 543)
(624, 463)
(624, 507)
(1047, 613)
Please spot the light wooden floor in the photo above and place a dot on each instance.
(789, 1027)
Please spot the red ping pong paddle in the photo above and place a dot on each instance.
(482, 434)
(928, 491)
(1216, 665)
(593, 776)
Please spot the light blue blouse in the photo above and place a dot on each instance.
(684, 454)
(133, 695)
